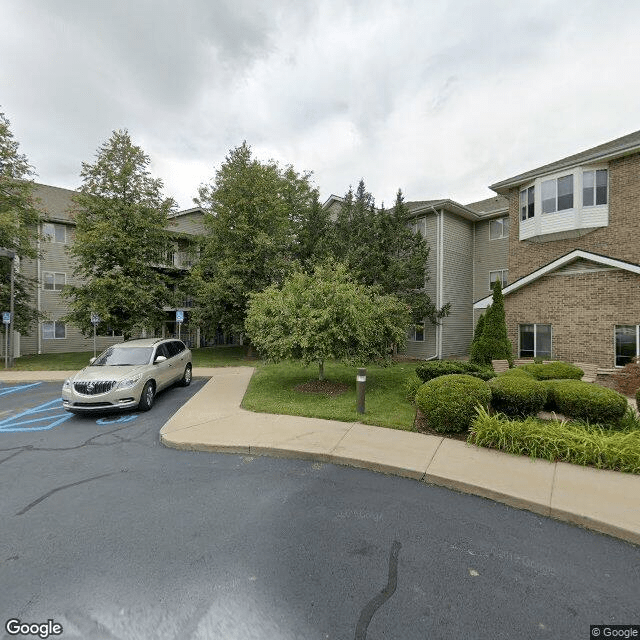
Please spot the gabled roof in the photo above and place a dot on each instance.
(577, 254)
(490, 206)
(609, 150)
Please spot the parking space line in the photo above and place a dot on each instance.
(13, 423)
(20, 387)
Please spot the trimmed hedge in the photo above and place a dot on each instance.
(516, 373)
(449, 402)
(585, 401)
(554, 371)
(517, 394)
(436, 368)
(559, 441)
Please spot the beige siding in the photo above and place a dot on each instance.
(189, 223)
(457, 285)
(489, 255)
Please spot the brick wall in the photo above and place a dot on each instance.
(582, 309)
(619, 240)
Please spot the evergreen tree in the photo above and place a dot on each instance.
(121, 239)
(490, 340)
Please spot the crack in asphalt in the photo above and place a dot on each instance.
(65, 486)
(375, 603)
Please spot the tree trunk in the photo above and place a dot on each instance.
(321, 374)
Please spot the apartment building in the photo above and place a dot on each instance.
(561, 239)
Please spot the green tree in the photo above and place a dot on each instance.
(325, 315)
(121, 238)
(492, 342)
(255, 213)
(381, 249)
(19, 218)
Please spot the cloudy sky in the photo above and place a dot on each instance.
(438, 98)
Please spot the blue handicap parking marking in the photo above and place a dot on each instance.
(127, 418)
(21, 387)
(55, 415)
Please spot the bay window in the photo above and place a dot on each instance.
(594, 188)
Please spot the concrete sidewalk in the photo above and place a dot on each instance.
(605, 501)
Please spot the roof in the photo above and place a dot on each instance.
(490, 206)
(577, 254)
(609, 150)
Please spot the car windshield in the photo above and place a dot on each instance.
(124, 356)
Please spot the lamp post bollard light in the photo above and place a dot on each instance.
(7, 253)
(361, 380)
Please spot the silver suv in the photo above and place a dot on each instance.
(128, 375)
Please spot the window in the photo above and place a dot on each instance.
(594, 188)
(499, 228)
(416, 332)
(54, 281)
(557, 194)
(535, 341)
(500, 274)
(53, 330)
(527, 199)
(627, 342)
(55, 232)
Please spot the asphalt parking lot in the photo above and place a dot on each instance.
(112, 535)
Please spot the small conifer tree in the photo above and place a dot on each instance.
(490, 341)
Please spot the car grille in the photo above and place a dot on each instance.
(94, 387)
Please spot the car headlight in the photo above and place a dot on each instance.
(127, 383)
(66, 384)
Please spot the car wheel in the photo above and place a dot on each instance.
(147, 396)
(186, 377)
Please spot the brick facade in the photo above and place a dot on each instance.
(582, 310)
(618, 240)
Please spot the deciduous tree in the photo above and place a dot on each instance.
(325, 315)
(121, 238)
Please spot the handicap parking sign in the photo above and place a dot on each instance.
(179, 315)
(6, 317)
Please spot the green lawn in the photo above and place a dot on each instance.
(272, 390)
(205, 357)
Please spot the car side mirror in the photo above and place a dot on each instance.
(92, 360)
(159, 359)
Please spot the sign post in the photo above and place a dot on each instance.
(95, 320)
(179, 320)
(6, 319)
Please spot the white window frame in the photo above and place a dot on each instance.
(554, 181)
(595, 170)
(528, 214)
(504, 221)
(49, 330)
(54, 274)
(535, 338)
(52, 236)
(619, 366)
(504, 278)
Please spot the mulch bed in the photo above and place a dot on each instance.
(326, 387)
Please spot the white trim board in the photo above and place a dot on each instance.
(556, 264)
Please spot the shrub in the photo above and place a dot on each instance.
(449, 402)
(627, 380)
(589, 402)
(517, 373)
(554, 371)
(559, 441)
(490, 342)
(411, 388)
(436, 368)
(517, 394)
